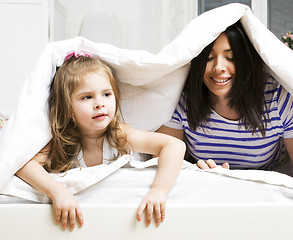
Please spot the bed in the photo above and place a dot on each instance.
(202, 205)
(214, 204)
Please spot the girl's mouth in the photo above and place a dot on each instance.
(100, 115)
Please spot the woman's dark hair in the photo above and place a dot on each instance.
(247, 92)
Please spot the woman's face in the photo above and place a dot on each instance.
(220, 69)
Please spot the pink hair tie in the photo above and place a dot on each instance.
(77, 55)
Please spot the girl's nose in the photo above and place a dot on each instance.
(99, 105)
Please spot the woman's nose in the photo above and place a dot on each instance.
(220, 65)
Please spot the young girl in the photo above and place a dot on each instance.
(232, 112)
(84, 116)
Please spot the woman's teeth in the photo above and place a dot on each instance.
(221, 80)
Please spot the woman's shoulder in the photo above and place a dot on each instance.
(271, 82)
(273, 87)
(275, 93)
(181, 105)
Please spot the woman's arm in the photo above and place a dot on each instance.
(179, 133)
(289, 146)
(66, 207)
(171, 153)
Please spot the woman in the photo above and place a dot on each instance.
(232, 112)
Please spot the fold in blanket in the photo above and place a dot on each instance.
(76, 180)
(146, 80)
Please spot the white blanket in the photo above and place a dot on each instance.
(129, 184)
(151, 84)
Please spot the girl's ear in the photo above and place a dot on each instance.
(74, 121)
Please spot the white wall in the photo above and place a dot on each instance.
(23, 35)
(27, 25)
(135, 24)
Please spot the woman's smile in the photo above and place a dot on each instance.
(220, 68)
(221, 81)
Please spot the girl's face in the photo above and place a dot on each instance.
(220, 69)
(93, 104)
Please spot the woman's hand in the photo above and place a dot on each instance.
(153, 202)
(67, 209)
(210, 164)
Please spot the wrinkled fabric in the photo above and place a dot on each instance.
(151, 84)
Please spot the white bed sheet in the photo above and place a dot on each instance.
(204, 205)
(128, 185)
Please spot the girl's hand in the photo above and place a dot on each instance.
(153, 202)
(210, 164)
(66, 206)
(67, 209)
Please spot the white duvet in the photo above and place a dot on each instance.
(126, 181)
(151, 84)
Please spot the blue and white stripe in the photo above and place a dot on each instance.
(226, 140)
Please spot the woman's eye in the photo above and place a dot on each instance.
(210, 58)
(230, 56)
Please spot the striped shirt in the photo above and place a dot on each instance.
(226, 140)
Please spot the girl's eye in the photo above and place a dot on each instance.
(87, 97)
(107, 94)
(231, 59)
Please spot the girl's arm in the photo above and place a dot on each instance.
(66, 207)
(171, 153)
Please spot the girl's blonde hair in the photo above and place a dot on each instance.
(65, 143)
